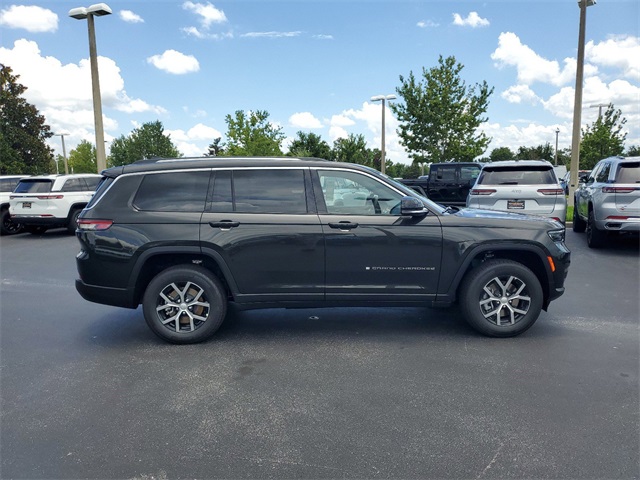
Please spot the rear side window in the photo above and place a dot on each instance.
(269, 191)
(173, 192)
(74, 185)
(603, 173)
(92, 182)
(34, 186)
(445, 174)
(517, 176)
(628, 173)
(469, 173)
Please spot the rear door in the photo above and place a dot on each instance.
(627, 189)
(31, 197)
(262, 223)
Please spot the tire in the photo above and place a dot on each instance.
(184, 304)
(35, 229)
(8, 226)
(73, 221)
(579, 225)
(595, 238)
(516, 302)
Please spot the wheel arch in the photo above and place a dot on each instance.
(154, 261)
(532, 257)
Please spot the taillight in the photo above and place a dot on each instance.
(481, 191)
(49, 197)
(94, 225)
(551, 191)
(618, 189)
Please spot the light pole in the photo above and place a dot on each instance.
(64, 153)
(556, 156)
(577, 104)
(599, 107)
(382, 98)
(80, 13)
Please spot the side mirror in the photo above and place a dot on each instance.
(412, 207)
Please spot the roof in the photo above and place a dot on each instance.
(519, 163)
(54, 176)
(157, 164)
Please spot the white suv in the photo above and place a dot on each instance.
(7, 184)
(51, 201)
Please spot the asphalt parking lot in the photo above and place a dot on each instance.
(89, 392)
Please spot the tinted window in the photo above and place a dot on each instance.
(469, 173)
(629, 173)
(173, 192)
(221, 198)
(445, 174)
(603, 173)
(73, 185)
(517, 176)
(104, 183)
(33, 186)
(92, 182)
(8, 184)
(357, 194)
(269, 191)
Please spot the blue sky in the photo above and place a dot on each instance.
(314, 65)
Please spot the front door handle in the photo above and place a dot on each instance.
(345, 226)
(225, 224)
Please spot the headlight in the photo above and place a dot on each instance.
(557, 235)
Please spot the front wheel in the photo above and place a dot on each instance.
(501, 298)
(184, 304)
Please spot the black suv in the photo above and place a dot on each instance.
(183, 237)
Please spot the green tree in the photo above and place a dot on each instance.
(23, 130)
(501, 153)
(352, 149)
(541, 152)
(603, 138)
(250, 134)
(82, 159)
(440, 116)
(309, 145)
(633, 151)
(147, 141)
(216, 148)
(400, 170)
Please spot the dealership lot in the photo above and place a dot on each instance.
(88, 391)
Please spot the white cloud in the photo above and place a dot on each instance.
(130, 17)
(520, 94)
(270, 34)
(530, 134)
(31, 18)
(195, 32)
(323, 37)
(620, 52)
(208, 13)
(304, 120)
(195, 141)
(341, 121)
(473, 20)
(427, 24)
(172, 61)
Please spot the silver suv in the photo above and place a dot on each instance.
(525, 186)
(609, 200)
(51, 201)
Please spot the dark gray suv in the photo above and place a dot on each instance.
(184, 237)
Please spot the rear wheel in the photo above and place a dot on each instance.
(8, 226)
(579, 225)
(501, 298)
(595, 238)
(73, 221)
(184, 304)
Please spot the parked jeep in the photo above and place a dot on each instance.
(7, 185)
(185, 237)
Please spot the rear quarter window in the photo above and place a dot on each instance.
(34, 186)
(173, 192)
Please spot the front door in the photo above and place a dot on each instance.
(370, 248)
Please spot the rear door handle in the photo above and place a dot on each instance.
(345, 226)
(225, 224)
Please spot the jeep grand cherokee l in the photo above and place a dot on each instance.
(184, 237)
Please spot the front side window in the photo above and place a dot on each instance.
(354, 193)
(173, 192)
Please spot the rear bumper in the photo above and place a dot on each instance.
(619, 225)
(117, 297)
(39, 221)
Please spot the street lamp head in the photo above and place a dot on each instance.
(390, 97)
(587, 3)
(377, 98)
(557, 131)
(98, 10)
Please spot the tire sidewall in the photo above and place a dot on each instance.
(214, 292)
(472, 289)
